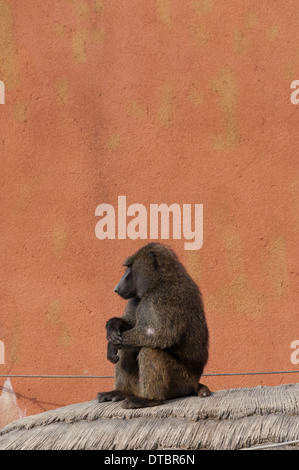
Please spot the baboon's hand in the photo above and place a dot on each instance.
(116, 338)
(112, 353)
(113, 325)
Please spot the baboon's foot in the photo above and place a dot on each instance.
(203, 391)
(138, 402)
(113, 395)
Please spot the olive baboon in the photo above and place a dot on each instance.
(160, 344)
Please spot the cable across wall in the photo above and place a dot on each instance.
(220, 374)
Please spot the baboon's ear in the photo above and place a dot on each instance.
(154, 259)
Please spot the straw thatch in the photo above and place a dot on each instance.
(228, 419)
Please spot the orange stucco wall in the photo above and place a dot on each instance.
(161, 101)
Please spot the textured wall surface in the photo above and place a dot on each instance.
(162, 101)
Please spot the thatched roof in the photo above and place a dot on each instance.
(228, 419)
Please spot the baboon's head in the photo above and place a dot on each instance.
(145, 269)
(126, 287)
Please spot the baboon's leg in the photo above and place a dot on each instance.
(127, 371)
(126, 377)
(161, 377)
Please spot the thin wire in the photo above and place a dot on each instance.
(253, 373)
(60, 376)
(266, 446)
(223, 374)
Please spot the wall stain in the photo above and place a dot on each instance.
(64, 336)
(164, 12)
(113, 142)
(202, 6)
(272, 33)
(251, 20)
(228, 235)
(59, 29)
(82, 35)
(14, 345)
(290, 70)
(225, 87)
(61, 86)
(199, 34)
(59, 238)
(8, 48)
(294, 193)
(276, 267)
(21, 112)
(165, 107)
(53, 313)
(238, 295)
(232, 243)
(136, 109)
(53, 317)
(82, 9)
(99, 6)
(195, 94)
(193, 265)
(79, 39)
(247, 299)
(242, 40)
(98, 36)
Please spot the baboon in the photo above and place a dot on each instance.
(160, 344)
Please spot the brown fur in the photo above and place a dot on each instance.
(162, 337)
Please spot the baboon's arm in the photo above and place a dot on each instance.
(140, 337)
(116, 324)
